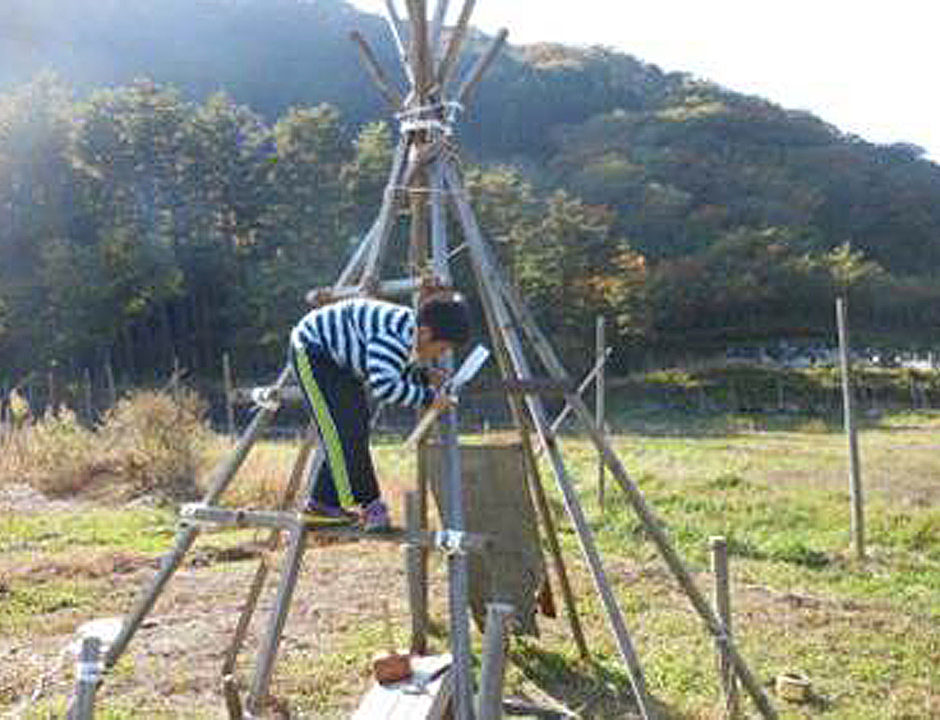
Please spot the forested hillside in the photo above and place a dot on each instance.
(190, 169)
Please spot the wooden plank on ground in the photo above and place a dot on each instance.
(423, 696)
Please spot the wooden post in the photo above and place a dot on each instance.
(89, 405)
(719, 548)
(229, 390)
(50, 400)
(112, 388)
(175, 379)
(599, 407)
(493, 666)
(417, 576)
(560, 418)
(4, 415)
(88, 672)
(855, 476)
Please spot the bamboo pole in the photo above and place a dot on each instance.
(383, 225)
(653, 525)
(566, 410)
(88, 674)
(446, 65)
(394, 22)
(387, 90)
(506, 327)
(493, 665)
(457, 569)
(536, 486)
(480, 67)
(258, 695)
(855, 473)
(287, 498)
(437, 27)
(417, 10)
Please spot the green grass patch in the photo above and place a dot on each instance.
(866, 632)
(139, 529)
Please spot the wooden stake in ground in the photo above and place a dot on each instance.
(719, 548)
(600, 410)
(855, 473)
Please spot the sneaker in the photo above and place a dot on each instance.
(375, 517)
(319, 514)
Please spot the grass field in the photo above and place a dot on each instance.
(866, 633)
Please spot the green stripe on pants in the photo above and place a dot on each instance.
(328, 432)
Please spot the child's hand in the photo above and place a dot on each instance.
(436, 376)
(443, 401)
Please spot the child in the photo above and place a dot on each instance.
(339, 350)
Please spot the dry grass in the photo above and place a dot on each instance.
(148, 444)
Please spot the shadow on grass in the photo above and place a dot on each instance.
(586, 688)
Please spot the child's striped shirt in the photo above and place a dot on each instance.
(372, 338)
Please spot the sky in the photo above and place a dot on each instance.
(872, 69)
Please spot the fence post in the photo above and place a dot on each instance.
(417, 575)
(855, 475)
(719, 547)
(89, 405)
(599, 402)
(112, 387)
(50, 399)
(4, 413)
(227, 384)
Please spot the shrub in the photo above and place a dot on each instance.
(154, 439)
(147, 444)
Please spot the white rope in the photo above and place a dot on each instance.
(451, 542)
(267, 398)
(423, 190)
(439, 116)
(418, 124)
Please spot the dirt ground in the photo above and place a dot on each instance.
(172, 665)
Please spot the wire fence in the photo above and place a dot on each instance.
(90, 394)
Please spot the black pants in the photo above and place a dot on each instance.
(337, 401)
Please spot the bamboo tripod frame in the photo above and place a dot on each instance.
(425, 178)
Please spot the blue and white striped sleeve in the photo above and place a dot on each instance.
(386, 362)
